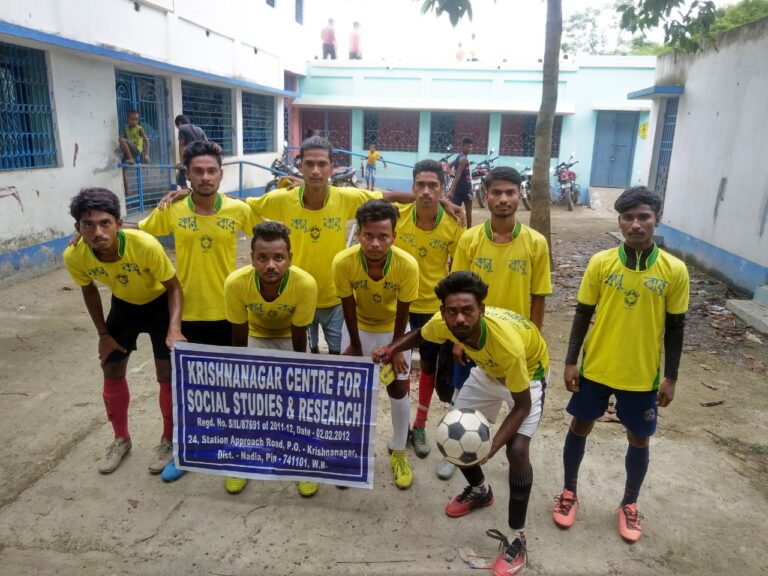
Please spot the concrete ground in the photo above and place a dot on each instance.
(705, 499)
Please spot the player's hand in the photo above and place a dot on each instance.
(146, 158)
(173, 196)
(459, 356)
(456, 212)
(399, 363)
(381, 355)
(571, 378)
(353, 350)
(666, 392)
(75, 239)
(107, 345)
(173, 337)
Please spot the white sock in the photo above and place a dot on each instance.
(401, 414)
(479, 489)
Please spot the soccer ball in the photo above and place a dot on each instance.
(464, 436)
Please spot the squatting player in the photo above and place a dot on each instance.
(641, 297)
(511, 359)
(377, 283)
(270, 303)
(146, 298)
(428, 234)
(205, 228)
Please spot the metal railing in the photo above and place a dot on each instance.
(146, 184)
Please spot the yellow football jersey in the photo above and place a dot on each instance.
(206, 250)
(135, 278)
(316, 235)
(430, 249)
(623, 348)
(376, 300)
(511, 347)
(294, 306)
(513, 271)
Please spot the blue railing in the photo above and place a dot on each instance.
(146, 184)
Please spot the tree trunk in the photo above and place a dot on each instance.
(540, 196)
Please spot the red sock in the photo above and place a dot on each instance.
(426, 387)
(166, 409)
(116, 400)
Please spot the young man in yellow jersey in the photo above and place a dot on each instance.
(430, 236)
(205, 227)
(377, 283)
(270, 303)
(511, 362)
(641, 297)
(146, 298)
(317, 214)
(510, 257)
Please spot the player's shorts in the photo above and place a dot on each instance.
(371, 340)
(462, 196)
(486, 394)
(126, 321)
(213, 332)
(636, 410)
(428, 351)
(331, 319)
(134, 151)
(271, 343)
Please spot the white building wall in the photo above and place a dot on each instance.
(720, 133)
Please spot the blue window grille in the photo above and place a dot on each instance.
(518, 135)
(27, 138)
(211, 109)
(300, 11)
(258, 123)
(665, 148)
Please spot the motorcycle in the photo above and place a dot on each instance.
(344, 176)
(479, 172)
(525, 186)
(566, 180)
(280, 168)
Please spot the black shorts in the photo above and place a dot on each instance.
(213, 332)
(428, 351)
(126, 321)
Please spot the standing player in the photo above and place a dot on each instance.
(461, 187)
(512, 360)
(377, 283)
(269, 303)
(510, 257)
(370, 166)
(146, 298)
(430, 236)
(637, 290)
(205, 228)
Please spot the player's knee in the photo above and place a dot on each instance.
(398, 389)
(638, 441)
(517, 453)
(582, 427)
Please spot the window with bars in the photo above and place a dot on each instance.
(27, 139)
(211, 109)
(300, 11)
(518, 135)
(258, 123)
(393, 130)
(450, 129)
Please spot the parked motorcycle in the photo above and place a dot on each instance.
(525, 186)
(344, 176)
(566, 180)
(280, 168)
(479, 172)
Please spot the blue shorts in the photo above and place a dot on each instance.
(461, 197)
(636, 410)
(428, 351)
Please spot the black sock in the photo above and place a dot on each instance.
(573, 453)
(519, 492)
(636, 463)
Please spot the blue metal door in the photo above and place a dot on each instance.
(614, 149)
(146, 184)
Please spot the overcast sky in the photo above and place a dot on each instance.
(396, 31)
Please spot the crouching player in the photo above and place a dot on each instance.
(146, 298)
(511, 360)
(377, 283)
(270, 304)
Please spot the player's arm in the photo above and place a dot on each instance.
(384, 354)
(512, 422)
(175, 299)
(146, 144)
(579, 329)
(349, 307)
(537, 310)
(239, 334)
(182, 145)
(674, 326)
(456, 212)
(107, 344)
(299, 338)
